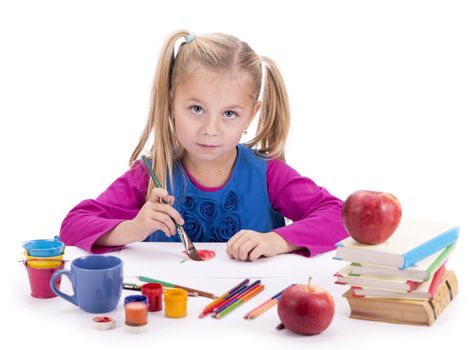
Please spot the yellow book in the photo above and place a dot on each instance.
(405, 311)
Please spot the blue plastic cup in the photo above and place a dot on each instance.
(44, 248)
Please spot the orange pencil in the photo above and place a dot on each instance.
(237, 295)
(258, 289)
(254, 313)
(209, 308)
(262, 309)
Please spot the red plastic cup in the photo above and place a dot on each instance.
(39, 281)
(153, 292)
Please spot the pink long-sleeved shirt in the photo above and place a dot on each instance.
(315, 213)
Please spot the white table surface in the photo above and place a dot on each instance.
(56, 320)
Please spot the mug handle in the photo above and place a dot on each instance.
(70, 298)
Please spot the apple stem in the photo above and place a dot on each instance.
(309, 280)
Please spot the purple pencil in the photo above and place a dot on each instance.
(235, 298)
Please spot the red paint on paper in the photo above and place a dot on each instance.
(205, 254)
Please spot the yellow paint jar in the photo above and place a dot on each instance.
(176, 301)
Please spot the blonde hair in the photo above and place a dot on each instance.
(217, 52)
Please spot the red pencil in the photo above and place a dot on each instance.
(254, 291)
(209, 308)
(237, 295)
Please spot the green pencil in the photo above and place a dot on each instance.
(242, 300)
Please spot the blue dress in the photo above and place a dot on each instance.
(242, 203)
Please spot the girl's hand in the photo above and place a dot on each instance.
(156, 215)
(250, 245)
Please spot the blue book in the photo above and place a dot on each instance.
(412, 241)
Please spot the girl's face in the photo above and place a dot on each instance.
(211, 110)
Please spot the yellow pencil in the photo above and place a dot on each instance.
(258, 289)
(209, 308)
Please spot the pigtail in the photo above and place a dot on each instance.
(159, 117)
(274, 117)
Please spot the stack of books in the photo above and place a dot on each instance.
(404, 279)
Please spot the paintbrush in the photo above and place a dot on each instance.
(188, 245)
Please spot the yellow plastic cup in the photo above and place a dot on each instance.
(176, 301)
(49, 262)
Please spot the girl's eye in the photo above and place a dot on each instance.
(197, 109)
(230, 114)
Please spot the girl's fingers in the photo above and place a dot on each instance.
(162, 227)
(158, 195)
(231, 243)
(234, 241)
(169, 210)
(255, 253)
(246, 248)
(241, 246)
(166, 224)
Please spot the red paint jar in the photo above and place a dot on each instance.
(153, 292)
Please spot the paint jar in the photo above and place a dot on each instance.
(176, 303)
(153, 291)
(136, 298)
(39, 281)
(136, 313)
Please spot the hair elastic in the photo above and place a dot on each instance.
(190, 37)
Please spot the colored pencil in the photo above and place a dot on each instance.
(208, 309)
(229, 299)
(235, 298)
(171, 285)
(262, 309)
(258, 289)
(265, 305)
(236, 295)
(225, 300)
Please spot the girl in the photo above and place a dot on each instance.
(204, 98)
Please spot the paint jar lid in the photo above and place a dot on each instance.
(136, 298)
(103, 323)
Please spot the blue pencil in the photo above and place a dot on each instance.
(265, 305)
(235, 298)
(209, 308)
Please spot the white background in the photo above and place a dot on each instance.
(379, 92)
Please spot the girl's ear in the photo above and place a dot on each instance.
(255, 110)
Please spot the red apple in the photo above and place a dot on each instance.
(371, 217)
(306, 309)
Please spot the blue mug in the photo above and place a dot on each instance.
(96, 282)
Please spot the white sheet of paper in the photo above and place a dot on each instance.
(167, 260)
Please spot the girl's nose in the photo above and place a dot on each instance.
(210, 126)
